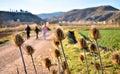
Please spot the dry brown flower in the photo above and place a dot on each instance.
(93, 48)
(59, 34)
(46, 63)
(97, 66)
(94, 33)
(82, 43)
(29, 49)
(18, 40)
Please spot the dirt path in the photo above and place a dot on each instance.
(10, 58)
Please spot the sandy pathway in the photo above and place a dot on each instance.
(10, 58)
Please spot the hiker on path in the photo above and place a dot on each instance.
(44, 31)
(37, 31)
(28, 29)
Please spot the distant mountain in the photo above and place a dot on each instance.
(49, 15)
(22, 17)
(100, 13)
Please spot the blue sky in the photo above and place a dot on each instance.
(48, 6)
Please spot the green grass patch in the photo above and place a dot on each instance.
(109, 39)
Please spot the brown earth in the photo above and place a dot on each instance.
(10, 59)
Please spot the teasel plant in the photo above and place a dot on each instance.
(93, 49)
(82, 58)
(55, 43)
(115, 58)
(97, 67)
(30, 50)
(83, 45)
(64, 66)
(59, 35)
(95, 35)
(53, 71)
(46, 62)
(18, 40)
(56, 54)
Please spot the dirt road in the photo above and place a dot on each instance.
(10, 59)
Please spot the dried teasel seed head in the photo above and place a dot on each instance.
(46, 63)
(93, 47)
(59, 34)
(82, 43)
(29, 49)
(97, 66)
(53, 72)
(18, 40)
(56, 53)
(81, 57)
(55, 43)
(115, 58)
(67, 71)
(94, 33)
(64, 65)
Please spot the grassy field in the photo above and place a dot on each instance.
(109, 40)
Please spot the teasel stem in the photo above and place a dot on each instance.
(99, 56)
(86, 60)
(58, 65)
(33, 64)
(64, 56)
(17, 70)
(25, 70)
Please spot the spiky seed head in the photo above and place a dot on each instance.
(29, 49)
(18, 40)
(82, 43)
(59, 34)
(64, 65)
(97, 66)
(46, 62)
(81, 57)
(115, 58)
(56, 53)
(53, 72)
(94, 33)
(55, 43)
(67, 71)
(93, 48)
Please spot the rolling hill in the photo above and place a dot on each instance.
(23, 17)
(100, 13)
(49, 15)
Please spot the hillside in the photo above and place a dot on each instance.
(22, 17)
(101, 13)
(49, 15)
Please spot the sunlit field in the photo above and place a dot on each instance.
(108, 43)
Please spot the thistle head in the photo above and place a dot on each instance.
(18, 40)
(94, 33)
(81, 57)
(46, 63)
(59, 34)
(64, 65)
(115, 58)
(53, 72)
(93, 48)
(56, 53)
(97, 66)
(67, 71)
(55, 43)
(29, 49)
(82, 43)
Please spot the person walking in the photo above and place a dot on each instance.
(28, 29)
(37, 31)
(44, 31)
